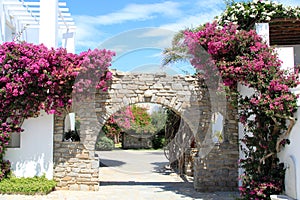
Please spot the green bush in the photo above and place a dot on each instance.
(105, 144)
(158, 142)
(27, 186)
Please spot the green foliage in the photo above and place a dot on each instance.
(132, 119)
(172, 124)
(177, 52)
(5, 167)
(246, 14)
(147, 129)
(158, 118)
(27, 186)
(104, 143)
(141, 116)
(158, 141)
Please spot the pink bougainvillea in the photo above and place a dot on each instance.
(240, 56)
(229, 52)
(35, 78)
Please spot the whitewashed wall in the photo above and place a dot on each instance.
(290, 155)
(244, 91)
(35, 155)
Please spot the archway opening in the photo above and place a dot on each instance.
(143, 139)
(137, 126)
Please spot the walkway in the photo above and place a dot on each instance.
(131, 174)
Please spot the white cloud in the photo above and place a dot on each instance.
(209, 4)
(134, 12)
(157, 32)
(204, 11)
(88, 34)
(289, 2)
(184, 14)
(156, 55)
(143, 38)
(191, 21)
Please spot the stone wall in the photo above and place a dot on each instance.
(75, 164)
(218, 170)
(75, 167)
(189, 159)
(136, 141)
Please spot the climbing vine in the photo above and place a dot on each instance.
(35, 78)
(239, 56)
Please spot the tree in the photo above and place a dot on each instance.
(158, 118)
(132, 119)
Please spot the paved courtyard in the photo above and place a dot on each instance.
(134, 175)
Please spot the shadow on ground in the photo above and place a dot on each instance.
(162, 168)
(184, 189)
(110, 163)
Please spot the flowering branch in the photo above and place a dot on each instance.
(34, 78)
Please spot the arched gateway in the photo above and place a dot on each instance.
(215, 169)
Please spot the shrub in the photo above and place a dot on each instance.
(27, 186)
(5, 168)
(105, 144)
(158, 142)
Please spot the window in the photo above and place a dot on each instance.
(14, 141)
(15, 138)
(71, 128)
(217, 127)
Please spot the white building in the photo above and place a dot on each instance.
(46, 22)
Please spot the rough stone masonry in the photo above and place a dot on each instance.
(77, 168)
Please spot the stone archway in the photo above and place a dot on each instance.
(75, 164)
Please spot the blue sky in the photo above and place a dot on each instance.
(138, 30)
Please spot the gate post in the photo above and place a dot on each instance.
(75, 164)
(218, 171)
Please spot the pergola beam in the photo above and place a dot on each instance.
(31, 3)
(27, 12)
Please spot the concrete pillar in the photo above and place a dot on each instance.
(48, 22)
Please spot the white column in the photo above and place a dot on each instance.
(48, 22)
(68, 40)
(48, 34)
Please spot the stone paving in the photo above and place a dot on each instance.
(121, 179)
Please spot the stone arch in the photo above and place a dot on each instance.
(183, 94)
(184, 134)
